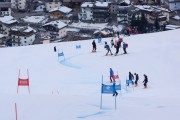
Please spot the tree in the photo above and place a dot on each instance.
(156, 24)
(133, 21)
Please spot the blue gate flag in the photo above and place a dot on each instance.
(61, 54)
(129, 82)
(99, 39)
(107, 89)
(118, 87)
(78, 46)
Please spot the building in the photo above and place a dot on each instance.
(74, 3)
(86, 11)
(174, 4)
(50, 4)
(101, 12)
(22, 36)
(57, 29)
(61, 13)
(5, 8)
(6, 23)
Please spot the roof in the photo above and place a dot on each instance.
(35, 19)
(62, 9)
(87, 4)
(5, 5)
(101, 4)
(8, 20)
(1, 35)
(57, 23)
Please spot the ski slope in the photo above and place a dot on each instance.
(70, 89)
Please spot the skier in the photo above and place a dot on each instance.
(112, 43)
(145, 81)
(107, 48)
(54, 48)
(118, 45)
(111, 75)
(94, 46)
(124, 47)
(115, 92)
(131, 77)
(136, 79)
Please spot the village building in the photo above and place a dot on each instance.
(86, 11)
(22, 36)
(6, 23)
(101, 12)
(60, 13)
(57, 29)
(50, 4)
(5, 8)
(174, 4)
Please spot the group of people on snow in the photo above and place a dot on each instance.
(117, 45)
(133, 79)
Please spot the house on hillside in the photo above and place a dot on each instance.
(57, 29)
(174, 4)
(151, 12)
(60, 13)
(74, 3)
(103, 33)
(5, 8)
(2, 39)
(50, 4)
(101, 12)
(6, 23)
(86, 11)
(22, 36)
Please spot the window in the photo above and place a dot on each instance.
(25, 41)
(24, 37)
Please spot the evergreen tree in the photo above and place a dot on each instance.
(143, 22)
(156, 24)
(133, 21)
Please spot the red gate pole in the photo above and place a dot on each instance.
(16, 111)
(28, 81)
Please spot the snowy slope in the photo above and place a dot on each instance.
(70, 89)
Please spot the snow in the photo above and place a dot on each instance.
(58, 23)
(7, 19)
(1, 35)
(87, 4)
(101, 4)
(70, 89)
(176, 17)
(35, 19)
(62, 9)
(89, 25)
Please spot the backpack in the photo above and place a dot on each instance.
(126, 45)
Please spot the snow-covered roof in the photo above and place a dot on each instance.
(23, 29)
(151, 8)
(62, 9)
(1, 35)
(101, 4)
(126, 1)
(176, 17)
(35, 19)
(87, 4)
(8, 19)
(57, 23)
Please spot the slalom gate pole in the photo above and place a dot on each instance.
(16, 111)
(115, 102)
(101, 94)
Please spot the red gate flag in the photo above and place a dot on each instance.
(23, 82)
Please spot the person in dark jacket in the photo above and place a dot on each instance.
(54, 48)
(131, 77)
(115, 92)
(94, 45)
(145, 81)
(136, 79)
(112, 43)
(107, 48)
(118, 44)
(124, 47)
